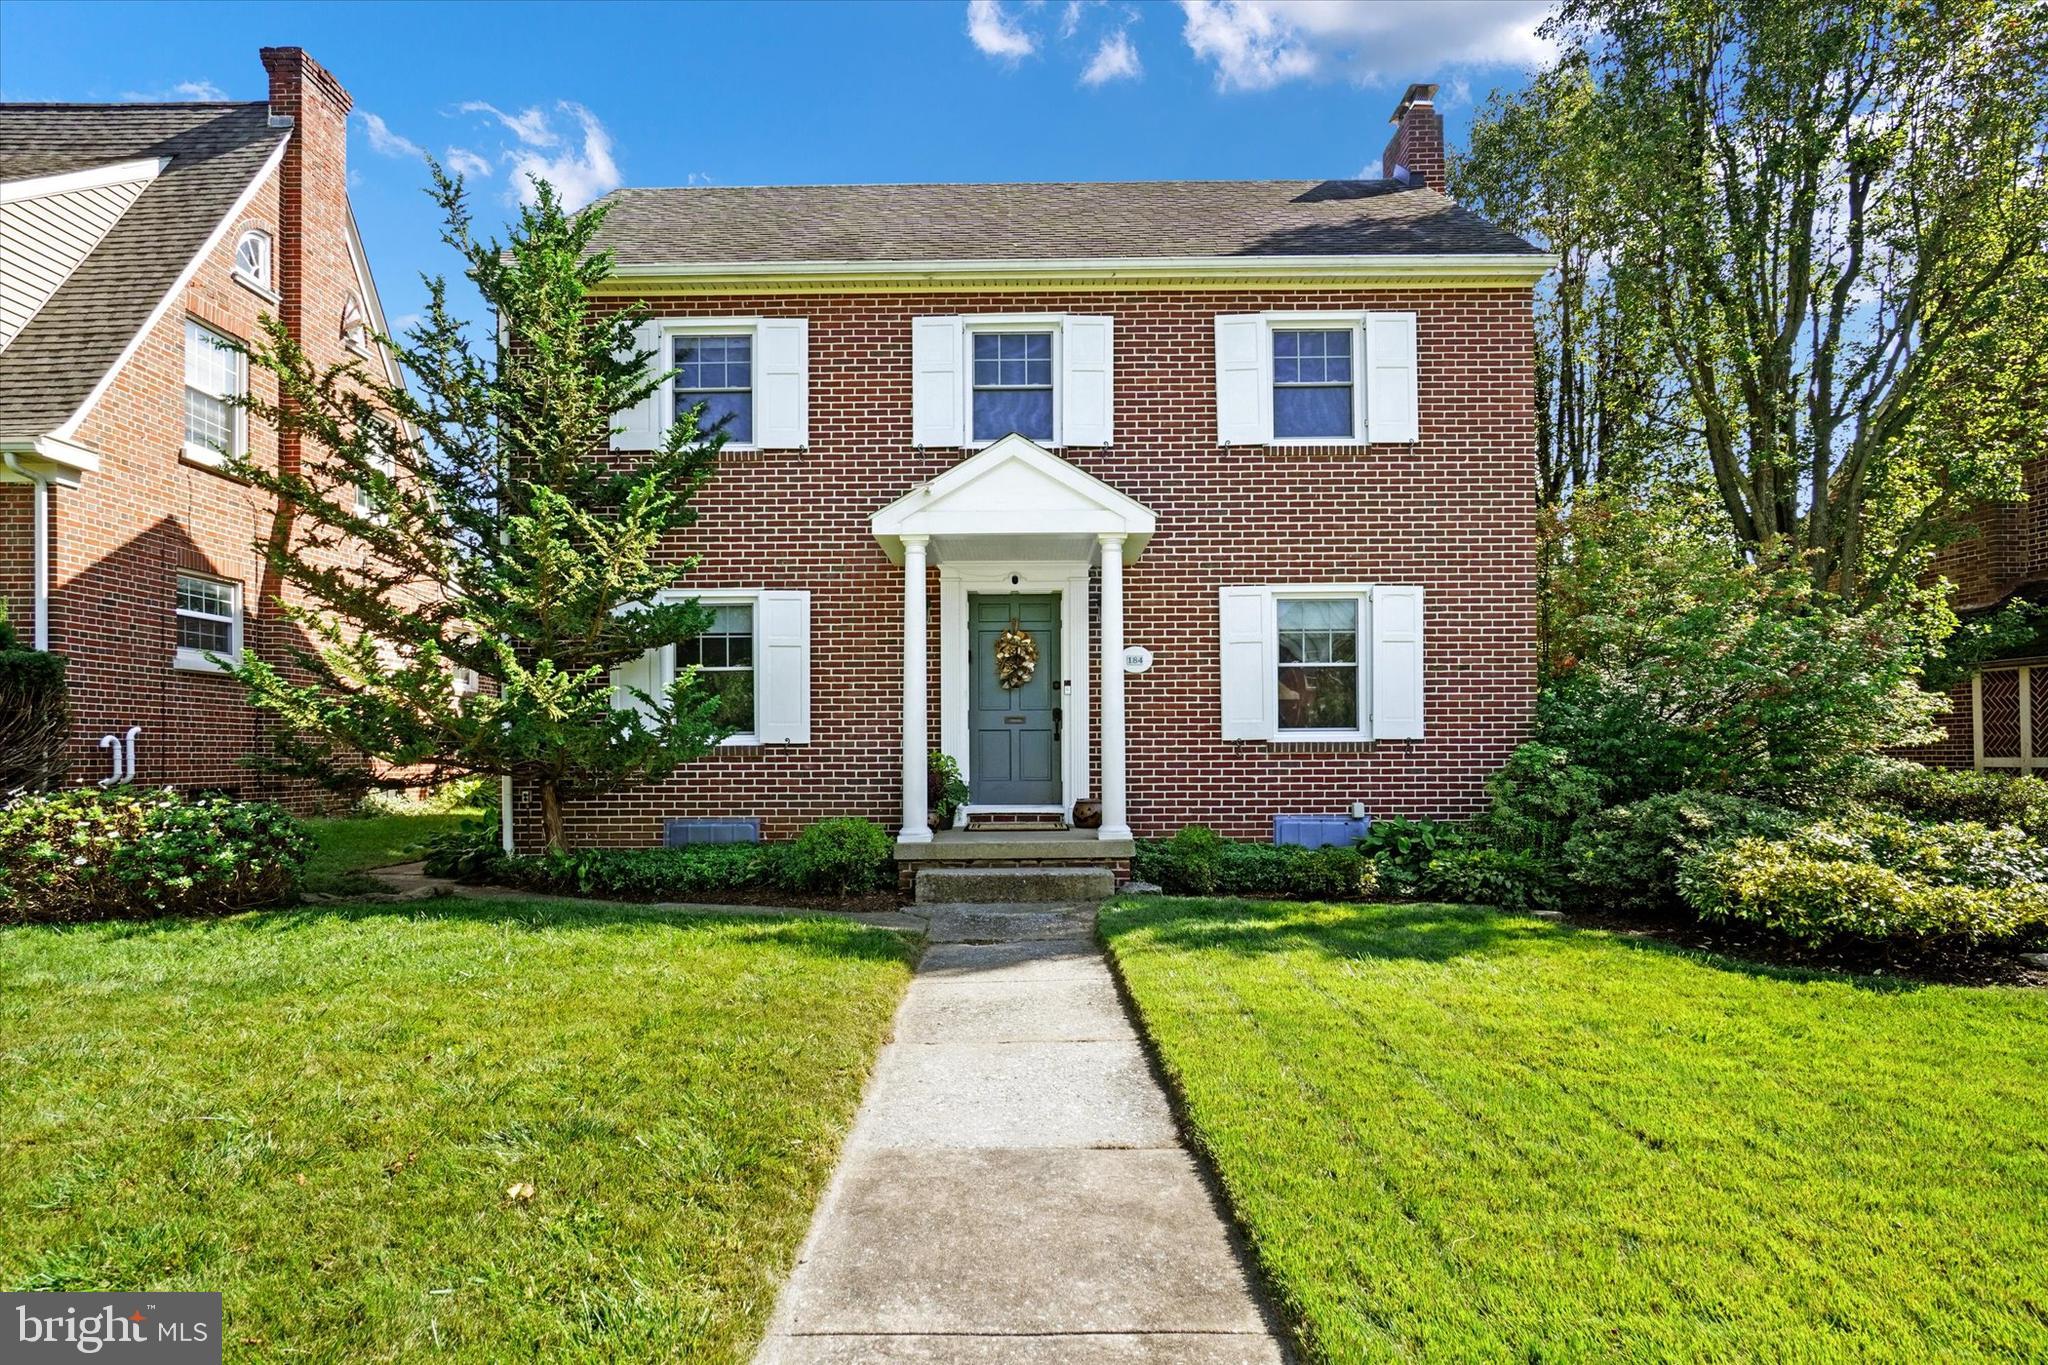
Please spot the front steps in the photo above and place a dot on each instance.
(1013, 885)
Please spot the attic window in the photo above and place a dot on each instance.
(355, 325)
(252, 259)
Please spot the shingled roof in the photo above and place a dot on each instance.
(214, 150)
(1058, 221)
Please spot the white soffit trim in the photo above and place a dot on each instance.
(176, 292)
(1516, 266)
(50, 457)
(1014, 489)
(93, 178)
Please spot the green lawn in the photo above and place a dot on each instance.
(320, 1112)
(345, 849)
(1459, 1135)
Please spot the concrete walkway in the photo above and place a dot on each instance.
(1014, 1188)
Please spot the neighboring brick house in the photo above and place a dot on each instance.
(1251, 463)
(1999, 718)
(132, 236)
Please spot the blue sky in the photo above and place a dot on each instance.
(733, 94)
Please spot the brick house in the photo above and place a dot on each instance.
(1250, 464)
(1998, 720)
(133, 238)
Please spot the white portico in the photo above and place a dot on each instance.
(1015, 529)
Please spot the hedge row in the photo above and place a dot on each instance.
(831, 858)
(1199, 862)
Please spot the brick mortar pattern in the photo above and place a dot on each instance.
(1453, 512)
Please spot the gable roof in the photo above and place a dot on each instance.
(1013, 491)
(1149, 220)
(215, 154)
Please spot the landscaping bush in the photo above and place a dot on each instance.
(131, 852)
(1482, 874)
(1629, 855)
(1948, 794)
(838, 857)
(1539, 796)
(1401, 849)
(470, 852)
(34, 716)
(1197, 861)
(640, 874)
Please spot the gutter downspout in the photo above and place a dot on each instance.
(39, 553)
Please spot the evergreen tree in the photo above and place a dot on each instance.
(488, 528)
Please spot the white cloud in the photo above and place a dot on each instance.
(1070, 18)
(1258, 44)
(201, 90)
(1115, 60)
(467, 164)
(996, 33)
(531, 127)
(579, 172)
(384, 142)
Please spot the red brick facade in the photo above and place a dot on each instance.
(1453, 512)
(118, 541)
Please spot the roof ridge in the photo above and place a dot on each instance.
(134, 104)
(1001, 184)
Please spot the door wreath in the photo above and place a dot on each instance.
(1016, 657)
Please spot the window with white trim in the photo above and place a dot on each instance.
(1010, 383)
(1314, 397)
(1315, 378)
(1318, 682)
(214, 378)
(1338, 662)
(355, 325)
(209, 616)
(252, 259)
(724, 659)
(380, 457)
(717, 371)
(979, 377)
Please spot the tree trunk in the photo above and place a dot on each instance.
(551, 815)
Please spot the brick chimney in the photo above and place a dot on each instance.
(1416, 151)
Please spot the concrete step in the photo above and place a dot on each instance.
(986, 885)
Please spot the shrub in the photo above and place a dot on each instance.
(1197, 861)
(1539, 796)
(34, 716)
(1629, 855)
(838, 857)
(1512, 879)
(133, 852)
(1815, 899)
(470, 852)
(641, 874)
(1401, 849)
(1946, 794)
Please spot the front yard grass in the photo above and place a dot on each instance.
(320, 1113)
(344, 850)
(1454, 1134)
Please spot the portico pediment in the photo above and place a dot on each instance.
(1013, 493)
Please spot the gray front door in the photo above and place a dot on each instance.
(1015, 732)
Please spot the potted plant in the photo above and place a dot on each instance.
(945, 790)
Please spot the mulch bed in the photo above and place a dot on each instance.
(1948, 965)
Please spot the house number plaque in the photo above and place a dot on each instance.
(1137, 658)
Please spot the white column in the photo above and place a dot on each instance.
(916, 828)
(1116, 823)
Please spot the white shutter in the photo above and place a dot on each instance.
(648, 673)
(782, 668)
(1390, 405)
(1087, 402)
(1246, 641)
(1244, 387)
(639, 427)
(782, 382)
(1397, 663)
(936, 392)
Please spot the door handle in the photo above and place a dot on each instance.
(1057, 715)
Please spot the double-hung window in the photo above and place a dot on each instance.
(718, 372)
(724, 659)
(380, 458)
(209, 615)
(1314, 393)
(1012, 385)
(214, 426)
(1318, 679)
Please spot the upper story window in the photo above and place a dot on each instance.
(1313, 393)
(717, 371)
(1012, 385)
(252, 259)
(724, 659)
(355, 325)
(214, 376)
(209, 612)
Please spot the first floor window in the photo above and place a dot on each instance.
(209, 613)
(717, 371)
(213, 379)
(1012, 385)
(1318, 662)
(724, 659)
(1312, 385)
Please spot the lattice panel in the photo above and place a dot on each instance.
(2001, 705)
(2038, 676)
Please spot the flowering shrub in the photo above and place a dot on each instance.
(133, 852)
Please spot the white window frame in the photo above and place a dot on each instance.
(749, 598)
(665, 363)
(356, 335)
(976, 324)
(1352, 322)
(387, 465)
(197, 660)
(261, 281)
(1361, 595)
(238, 418)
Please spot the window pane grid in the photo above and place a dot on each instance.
(206, 615)
(1318, 676)
(724, 658)
(213, 375)
(1012, 385)
(718, 372)
(1312, 384)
